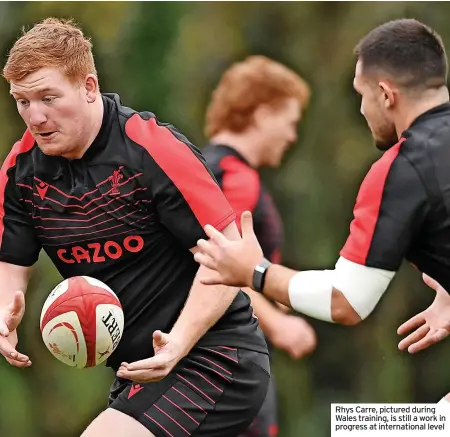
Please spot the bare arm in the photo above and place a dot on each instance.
(266, 312)
(276, 287)
(345, 295)
(205, 304)
(13, 284)
(277, 283)
(12, 278)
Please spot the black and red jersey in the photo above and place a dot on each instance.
(243, 188)
(126, 213)
(403, 206)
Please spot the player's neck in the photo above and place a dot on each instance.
(242, 143)
(413, 109)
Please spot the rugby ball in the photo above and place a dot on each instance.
(82, 322)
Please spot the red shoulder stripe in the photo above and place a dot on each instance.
(187, 172)
(240, 184)
(367, 208)
(22, 146)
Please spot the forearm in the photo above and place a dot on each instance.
(276, 285)
(265, 311)
(314, 296)
(346, 295)
(205, 305)
(12, 278)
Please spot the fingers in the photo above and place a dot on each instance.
(432, 283)
(16, 310)
(19, 364)
(212, 280)
(440, 334)
(430, 339)
(142, 376)
(150, 369)
(247, 225)
(205, 260)
(17, 306)
(300, 353)
(215, 235)
(146, 364)
(11, 355)
(205, 246)
(157, 336)
(4, 331)
(303, 348)
(211, 277)
(412, 323)
(297, 352)
(415, 337)
(160, 339)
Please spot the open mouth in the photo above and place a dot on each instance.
(46, 134)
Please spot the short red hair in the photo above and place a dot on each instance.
(245, 86)
(54, 43)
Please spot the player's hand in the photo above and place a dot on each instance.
(167, 354)
(430, 326)
(232, 261)
(293, 335)
(10, 318)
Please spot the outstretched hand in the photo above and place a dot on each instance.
(10, 319)
(231, 261)
(168, 352)
(431, 325)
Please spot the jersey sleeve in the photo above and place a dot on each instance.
(390, 210)
(18, 242)
(241, 185)
(184, 191)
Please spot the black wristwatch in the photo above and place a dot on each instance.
(259, 275)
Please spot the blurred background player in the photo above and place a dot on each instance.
(251, 122)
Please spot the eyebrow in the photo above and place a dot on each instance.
(38, 91)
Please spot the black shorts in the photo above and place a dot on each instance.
(265, 423)
(214, 391)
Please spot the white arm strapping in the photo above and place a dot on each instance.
(310, 291)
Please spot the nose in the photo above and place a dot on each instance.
(36, 115)
(361, 109)
(292, 137)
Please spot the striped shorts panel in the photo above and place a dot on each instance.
(211, 392)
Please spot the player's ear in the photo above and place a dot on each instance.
(261, 114)
(388, 94)
(91, 87)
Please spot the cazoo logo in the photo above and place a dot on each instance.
(100, 252)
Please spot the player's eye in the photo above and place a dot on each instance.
(23, 102)
(48, 99)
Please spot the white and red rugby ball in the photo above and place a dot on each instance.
(82, 322)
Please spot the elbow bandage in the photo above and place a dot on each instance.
(310, 291)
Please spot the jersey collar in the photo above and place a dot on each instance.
(101, 140)
(231, 151)
(442, 109)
